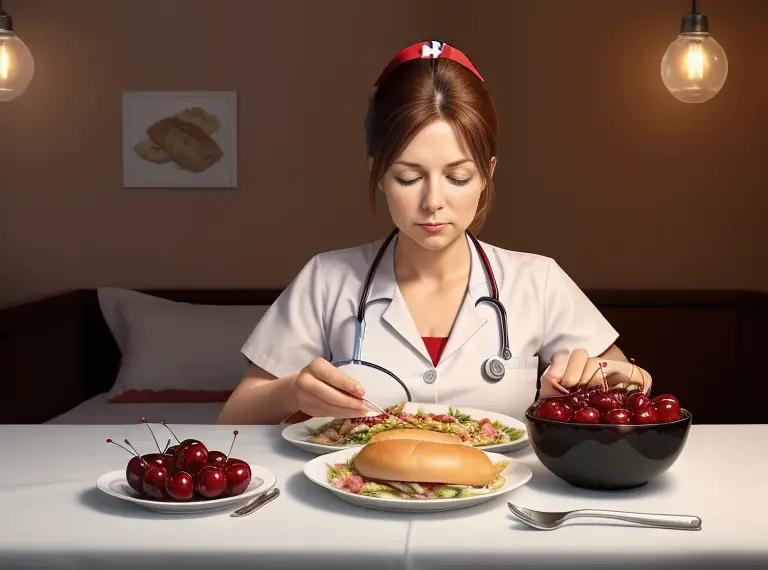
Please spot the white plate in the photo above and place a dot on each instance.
(115, 484)
(516, 475)
(298, 436)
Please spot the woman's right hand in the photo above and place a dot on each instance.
(317, 397)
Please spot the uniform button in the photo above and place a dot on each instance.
(430, 376)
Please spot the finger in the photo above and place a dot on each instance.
(328, 373)
(591, 376)
(575, 369)
(309, 384)
(555, 384)
(316, 407)
(550, 380)
(557, 366)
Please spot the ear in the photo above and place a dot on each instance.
(493, 164)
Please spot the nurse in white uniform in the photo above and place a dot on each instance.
(421, 303)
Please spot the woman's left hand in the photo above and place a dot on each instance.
(578, 369)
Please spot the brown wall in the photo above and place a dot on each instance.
(599, 166)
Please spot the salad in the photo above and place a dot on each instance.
(359, 431)
(344, 476)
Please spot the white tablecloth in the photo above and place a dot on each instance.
(52, 515)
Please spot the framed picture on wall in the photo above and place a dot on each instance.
(182, 139)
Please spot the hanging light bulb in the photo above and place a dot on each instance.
(16, 63)
(694, 67)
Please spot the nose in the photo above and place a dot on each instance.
(434, 195)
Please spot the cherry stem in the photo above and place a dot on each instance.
(144, 421)
(605, 382)
(109, 440)
(593, 375)
(230, 447)
(631, 372)
(167, 444)
(170, 430)
(134, 452)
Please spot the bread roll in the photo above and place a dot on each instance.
(410, 460)
(186, 144)
(418, 434)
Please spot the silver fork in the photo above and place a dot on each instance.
(375, 407)
(257, 503)
(550, 520)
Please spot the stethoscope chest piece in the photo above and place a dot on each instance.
(493, 370)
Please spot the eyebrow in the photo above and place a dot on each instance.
(417, 165)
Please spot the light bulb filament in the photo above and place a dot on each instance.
(695, 61)
(5, 62)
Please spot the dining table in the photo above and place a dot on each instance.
(53, 516)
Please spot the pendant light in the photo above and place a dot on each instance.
(694, 67)
(16, 63)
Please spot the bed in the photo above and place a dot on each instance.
(111, 355)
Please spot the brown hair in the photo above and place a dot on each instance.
(419, 92)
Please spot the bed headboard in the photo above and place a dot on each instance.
(57, 351)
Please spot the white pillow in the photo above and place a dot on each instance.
(176, 352)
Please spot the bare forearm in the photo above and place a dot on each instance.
(260, 401)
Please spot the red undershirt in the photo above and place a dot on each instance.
(435, 346)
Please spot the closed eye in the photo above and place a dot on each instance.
(455, 181)
(458, 181)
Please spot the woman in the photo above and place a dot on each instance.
(431, 133)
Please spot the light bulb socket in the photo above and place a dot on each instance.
(694, 23)
(6, 23)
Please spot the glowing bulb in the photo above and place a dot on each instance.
(5, 62)
(694, 67)
(17, 67)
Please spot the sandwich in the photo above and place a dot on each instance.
(417, 434)
(418, 469)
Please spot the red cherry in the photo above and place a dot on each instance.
(619, 393)
(647, 415)
(211, 481)
(134, 472)
(238, 477)
(668, 410)
(191, 457)
(603, 402)
(153, 483)
(586, 416)
(137, 467)
(553, 409)
(238, 472)
(637, 401)
(576, 398)
(665, 397)
(217, 458)
(180, 486)
(618, 416)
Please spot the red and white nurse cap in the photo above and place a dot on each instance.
(427, 50)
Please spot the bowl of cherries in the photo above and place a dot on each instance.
(608, 438)
(186, 477)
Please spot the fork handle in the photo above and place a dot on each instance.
(677, 522)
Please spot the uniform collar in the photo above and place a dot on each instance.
(397, 314)
(384, 284)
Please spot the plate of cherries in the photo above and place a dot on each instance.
(185, 478)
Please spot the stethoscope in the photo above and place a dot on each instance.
(493, 368)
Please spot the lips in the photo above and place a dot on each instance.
(433, 227)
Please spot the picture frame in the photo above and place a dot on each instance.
(179, 139)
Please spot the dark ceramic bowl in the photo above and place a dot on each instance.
(607, 457)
